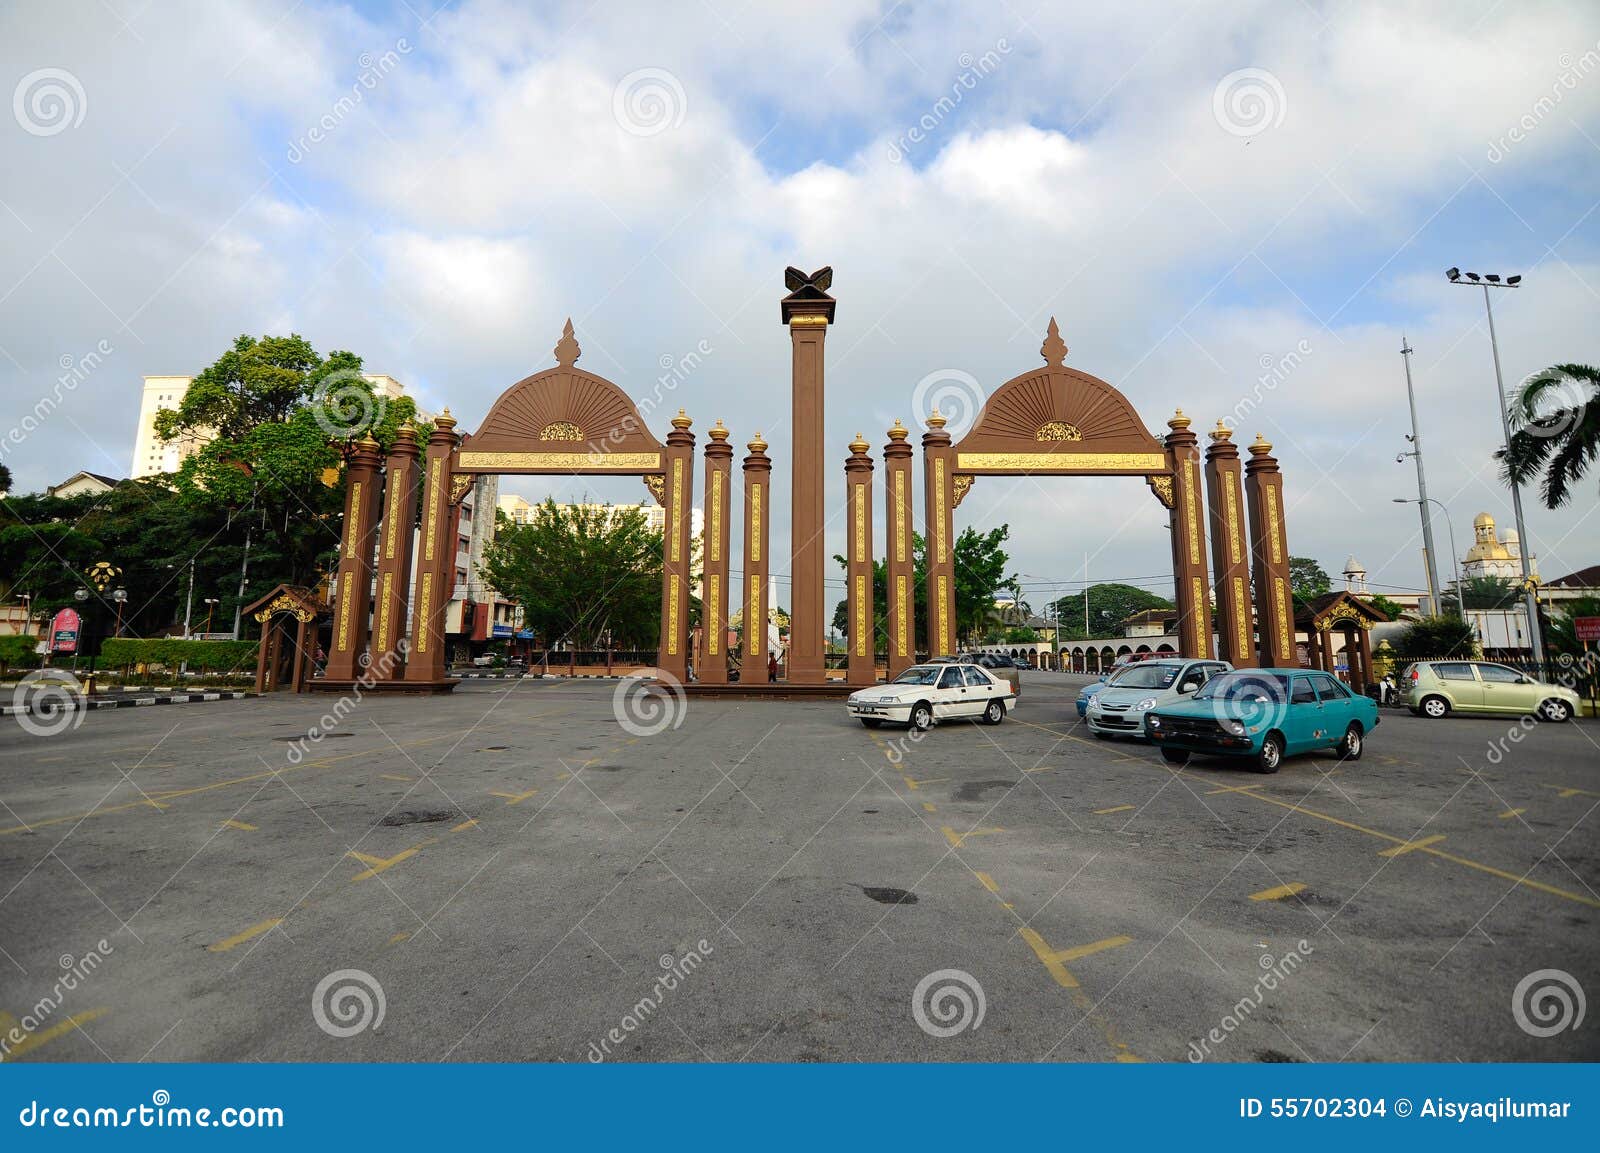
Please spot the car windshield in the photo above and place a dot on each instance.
(1245, 687)
(920, 675)
(1150, 676)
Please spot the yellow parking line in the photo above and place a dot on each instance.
(379, 864)
(513, 798)
(240, 825)
(1090, 949)
(1280, 892)
(1052, 963)
(1568, 791)
(34, 1040)
(1113, 809)
(956, 839)
(914, 785)
(1512, 813)
(394, 777)
(1411, 846)
(398, 937)
(464, 825)
(249, 934)
(929, 806)
(987, 882)
(1231, 789)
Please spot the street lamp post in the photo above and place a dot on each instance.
(120, 595)
(211, 607)
(1432, 567)
(1530, 598)
(1455, 555)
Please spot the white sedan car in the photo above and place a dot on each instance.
(927, 693)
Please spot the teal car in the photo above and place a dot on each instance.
(1264, 715)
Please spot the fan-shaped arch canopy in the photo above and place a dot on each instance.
(562, 420)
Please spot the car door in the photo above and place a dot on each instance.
(1304, 721)
(1337, 707)
(1461, 682)
(1506, 691)
(981, 689)
(950, 698)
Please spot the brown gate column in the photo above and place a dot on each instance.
(807, 310)
(673, 655)
(1269, 553)
(394, 556)
(350, 626)
(757, 518)
(901, 566)
(938, 515)
(714, 585)
(435, 575)
(859, 595)
(1188, 540)
(1230, 554)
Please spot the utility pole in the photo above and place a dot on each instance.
(188, 604)
(1432, 566)
(244, 572)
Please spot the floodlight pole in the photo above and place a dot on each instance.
(1432, 568)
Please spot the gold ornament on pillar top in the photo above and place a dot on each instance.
(859, 446)
(1179, 422)
(1054, 349)
(1222, 432)
(717, 432)
(1261, 446)
(936, 420)
(899, 432)
(681, 422)
(444, 420)
(757, 446)
(406, 432)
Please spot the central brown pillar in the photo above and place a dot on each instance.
(863, 628)
(673, 655)
(394, 556)
(1188, 540)
(350, 626)
(1230, 554)
(901, 566)
(939, 537)
(435, 563)
(714, 586)
(757, 518)
(807, 310)
(1269, 554)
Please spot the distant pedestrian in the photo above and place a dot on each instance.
(772, 666)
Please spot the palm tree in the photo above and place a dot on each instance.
(1555, 418)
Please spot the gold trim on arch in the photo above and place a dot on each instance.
(1070, 461)
(566, 461)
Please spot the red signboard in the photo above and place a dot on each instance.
(64, 631)
(1586, 628)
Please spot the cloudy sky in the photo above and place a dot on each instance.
(1198, 193)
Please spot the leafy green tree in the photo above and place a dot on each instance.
(1560, 634)
(1484, 592)
(1389, 608)
(980, 565)
(1555, 420)
(1109, 605)
(5, 479)
(275, 421)
(581, 574)
(1438, 636)
(1308, 580)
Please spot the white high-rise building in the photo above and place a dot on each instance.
(153, 456)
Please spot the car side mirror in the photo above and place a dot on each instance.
(1188, 687)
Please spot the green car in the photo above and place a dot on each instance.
(1265, 715)
(1439, 688)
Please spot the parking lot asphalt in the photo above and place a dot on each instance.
(511, 873)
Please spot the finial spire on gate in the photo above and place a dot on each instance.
(567, 350)
(1054, 349)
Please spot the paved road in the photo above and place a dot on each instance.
(521, 876)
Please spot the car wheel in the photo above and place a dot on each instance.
(1270, 758)
(870, 722)
(1350, 747)
(922, 716)
(1435, 707)
(1555, 710)
(994, 714)
(1178, 757)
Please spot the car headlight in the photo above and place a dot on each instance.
(1235, 727)
(887, 700)
(1147, 703)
